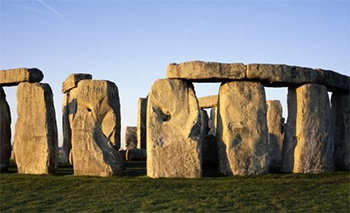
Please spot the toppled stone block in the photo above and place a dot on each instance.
(35, 141)
(173, 130)
(73, 80)
(208, 101)
(242, 129)
(13, 77)
(199, 71)
(5, 132)
(141, 123)
(130, 137)
(308, 145)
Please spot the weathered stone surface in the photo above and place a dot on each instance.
(72, 81)
(204, 122)
(334, 81)
(130, 137)
(5, 132)
(208, 101)
(35, 141)
(141, 123)
(96, 129)
(242, 129)
(173, 130)
(341, 129)
(308, 145)
(199, 71)
(276, 135)
(212, 123)
(15, 76)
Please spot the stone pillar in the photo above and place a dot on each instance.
(141, 123)
(212, 121)
(35, 142)
(96, 129)
(242, 129)
(308, 145)
(341, 129)
(204, 122)
(5, 132)
(130, 137)
(276, 135)
(173, 130)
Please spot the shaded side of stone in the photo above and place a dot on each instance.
(13, 77)
(130, 137)
(141, 123)
(5, 132)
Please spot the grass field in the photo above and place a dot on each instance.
(133, 191)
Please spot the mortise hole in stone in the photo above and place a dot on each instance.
(88, 109)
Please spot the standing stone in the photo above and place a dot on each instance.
(341, 129)
(242, 129)
(275, 128)
(212, 121)
(204, 122)
(130, 137)
(96, 129)
(173, 130)
(5, 132)
(308, 145)
(35, 142)
(141, 123)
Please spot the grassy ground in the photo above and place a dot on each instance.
(133, 191)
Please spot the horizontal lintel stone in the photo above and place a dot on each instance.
(72, 81)
(13, 77)
(208, 101)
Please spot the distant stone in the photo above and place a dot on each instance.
(275, 128)
(308, 145)
(208, 101)
(199, 71)
(212, 123)
(13, 77)
(141, 123)
(130, 137)
(96, 129)
(135, 154)
(204, 122)
(242, 132)
(209, 152)
(5, 132)
(173, 130)
(73, 80)
(341, 129)
(35, 141)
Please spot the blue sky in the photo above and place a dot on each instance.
(131, 42)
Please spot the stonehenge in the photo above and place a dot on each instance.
(237, 131)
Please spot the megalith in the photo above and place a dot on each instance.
(5, 132)
(242, 132)
(141, 123)
(96, 129)
(275, 124)
(308, 145)
(130, 137)
(173, 130)
(341, 130)
(13, 77)
(35, 140)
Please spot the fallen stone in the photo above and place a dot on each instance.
(130, 137)
(308, 145)
(341, 129)
(35, 141)
(275, 128)
(199, 71)
(173, 130)
(141, 123)
(242, 132)
(5, 132)
(96, 129)
(13, 77)
(208, 101)
(73, 80)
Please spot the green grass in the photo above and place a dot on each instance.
(329, 192)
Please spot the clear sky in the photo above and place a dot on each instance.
(131, 42)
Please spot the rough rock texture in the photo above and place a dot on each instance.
(208, 101)
(96, 129)
(334, 81)
(35, 141)
(341, 129)
(308, 145)
(212, 121)
(241, 129)
(72, 81)
(141, 123)
(276, 135)
(200, 71)
(204, 122)
(173, 130)
(15, 76)
(5, 132)
(130, 137)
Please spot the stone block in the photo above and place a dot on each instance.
(73, 80)
(208, 101)
(13, 77)
(5, 132)
(130, 137)
(141, 123)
